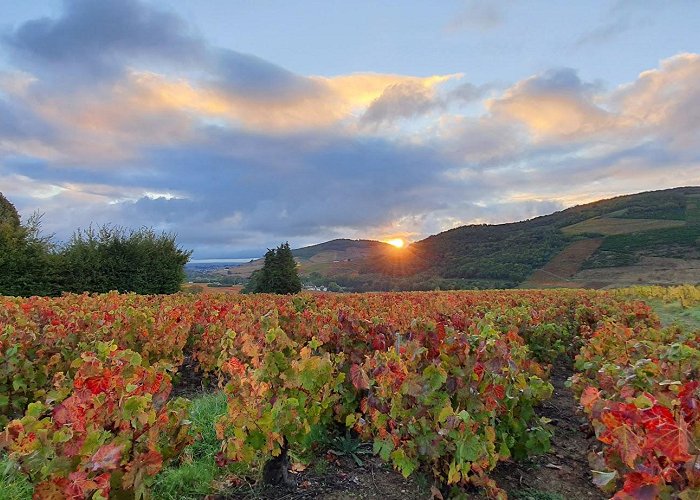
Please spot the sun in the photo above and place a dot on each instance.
(396, 242)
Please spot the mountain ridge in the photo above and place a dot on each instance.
(614, 233)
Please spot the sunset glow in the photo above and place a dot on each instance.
(237, 129)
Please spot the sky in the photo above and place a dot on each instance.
(239, 125)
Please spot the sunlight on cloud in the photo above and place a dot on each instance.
(21, 185)
(550, 114)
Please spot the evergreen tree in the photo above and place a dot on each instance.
(278, 274)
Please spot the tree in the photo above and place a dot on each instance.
(95, 260)
(278, 274)
(8, 213)
(27, 266)
(112, 258)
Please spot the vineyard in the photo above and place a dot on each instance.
(444, 384)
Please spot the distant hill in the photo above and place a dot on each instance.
(651, 237)
(320, 263)
(340, 249)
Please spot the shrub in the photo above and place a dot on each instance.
(108, 430)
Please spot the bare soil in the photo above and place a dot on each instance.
(564, 265)
(564, 470)
(340, 479)
(649, 271)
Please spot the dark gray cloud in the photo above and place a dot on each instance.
(558, 81)
(412, 99)
(402, 100)
(231, 197)
(98, 40)
(256, 78)
(100, 37)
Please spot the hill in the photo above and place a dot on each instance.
(320, 263)
(340, 249)
(650, 237)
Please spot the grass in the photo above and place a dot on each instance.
(194, 477)
(13, 484)
(674, 312)
(615, 226)
(686, 236)
(693, 209)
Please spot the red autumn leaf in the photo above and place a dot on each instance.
(364, 406)
(79, 485)
(666, 434)
(639, 486)
(479, 371)
(106, 458)
(51, 490)
(97, 384)
(499, 392)
(690, 401)
(589, 396)
(378, 343)
(358, 377)
(103, 483)
(623, 435)
(152, 461)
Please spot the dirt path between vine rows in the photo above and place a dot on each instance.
(564, 470)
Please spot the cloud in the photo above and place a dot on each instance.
(146, 123)
(603, 33)
(556, 104)
(479, 14)
(401, 100)
(664, 103)
(415, 98)
(620, 17)
(98, 38)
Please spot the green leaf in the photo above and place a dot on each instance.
(18, 383)
(468, 450)
(445, 412)
(35, 409)
(257, 440)
(504, 451)
(405, 465)
(383, 448)
(642, 402)
(62, 435)
(434, 377)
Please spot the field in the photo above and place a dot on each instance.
(612, 226)
(460, 393)
(559, 271)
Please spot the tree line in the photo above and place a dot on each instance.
(94, 260)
